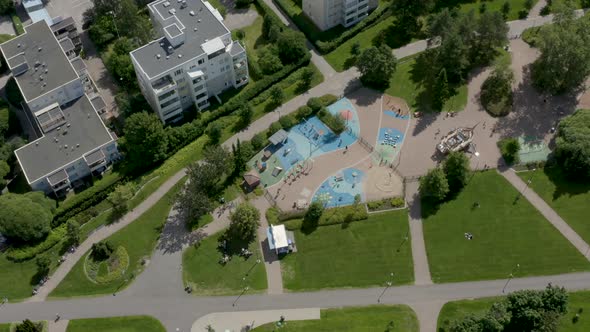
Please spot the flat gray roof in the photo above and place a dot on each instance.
(236, 48)
(78, 64)
(63, 24)
(66, 44)
(44, 156)
(208, 28)
(42, 51)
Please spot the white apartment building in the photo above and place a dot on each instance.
(327, 14)
(62, 105)
(195, 59)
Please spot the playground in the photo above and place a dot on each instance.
(312, 163)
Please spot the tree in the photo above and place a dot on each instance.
(269, 61)
(28, 326)
(119, 198)
(102, 250)
(43, 265)
(271, 28)
(509, 148)
(434, 185)
(496, 92)
(313, 215)
(25, 218)
(277, 95)
(409, 11)
(564, 63)
(355, 49)
(4, 171)
(215, 131)
(528, 4)
(244, 222)
(119, 62)
(145, 141)
(573, 144)
(306, 78)
(73, 231)
(6, 6)
(506, 9)
(258, 141)
(456, 168)
(441, 91)
(246, 113)
(377, 65)
(291, 46)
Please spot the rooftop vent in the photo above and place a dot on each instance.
(37, 143)
(192, 13)
(158, 56)
(40, 49)
(167, 57)
(58, 128)
(199, 20)
(46, 70)
(37, 63)
(41, 77)
(18, 45)
(68, 125)
(166, 4)
(78, 145)
(162, 44)
(195, 29)
(180, 56)
(66, 146)
(172, 11)
(183, 5)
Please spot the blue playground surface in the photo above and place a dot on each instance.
(388, 145)
(395, 115)
(308, 139)
(340, 189)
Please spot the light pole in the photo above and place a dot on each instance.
(510, 277)
(389, 283)
(242, 293)
(250, 270)
(115, 23)
(528, 183)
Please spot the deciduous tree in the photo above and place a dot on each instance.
(145, 141)
(244, 222)
(120, 197)
(573, 144)
(434, 185)
(377, 65)
(27, 217)
(456, 168)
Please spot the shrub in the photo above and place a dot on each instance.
(258, 141)
(344, 214)
(375, 205)
(23, 253)
(288, 121)
(328, 99)
(122, 264)
(496, 92)
(315, 104)
(334, 122)
(102, 250)
(274, 127)
(272, 215)
(313, 215)
(397, 202)
(509, 148)
(18, 25)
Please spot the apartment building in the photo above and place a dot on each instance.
(327, 14)
(62, 105)
(194, 60)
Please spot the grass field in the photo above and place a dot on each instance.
(372, 318)
(360, 254)
(139, 239)
(4, 327)
(404, 85)
(452, 311)
(201, 270)
(568, 198)
(496, 6)
(116, 324)
(506, 232)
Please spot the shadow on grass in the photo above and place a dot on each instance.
(564, 185)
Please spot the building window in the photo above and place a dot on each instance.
(193, 67)
(197, 80)
(166, 95)
(199, 88)
(202, 95)
(201, 61)
(178, 72)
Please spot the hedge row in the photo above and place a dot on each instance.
(86, 199)
(334, 216)
(19, 254)
(330, 45)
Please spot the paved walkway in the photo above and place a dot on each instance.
(546, 211)
(102, 234)
(427, 313)
(59, 326)
(274, 278)
(163, 276)
(419, 256)
(244, 320)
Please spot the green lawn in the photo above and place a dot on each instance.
(404, 85)
(453, 311)
(116, 324)
(360, 254)
(505, 232)
(201, 270)
(139, 239)
(354, 319)
(496, 6)
(4, 327)
(568, 198)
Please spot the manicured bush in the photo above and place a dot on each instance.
(375, 205)
(258, 141)
(122, 264)
(102, 250)
(315, 104)
(272, 215)
(23, 253)
(344, 214)
(17, 24)
(328, 99)
(397, 202)
(303, 112)
(334, 122)
(509, 148)
(313, 215)
(274, 127)
(288, 121)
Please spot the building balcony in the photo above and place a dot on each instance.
(59, 181)
(163, 85)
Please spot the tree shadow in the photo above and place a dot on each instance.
(349, 62)
(563, 184)
(429, 207)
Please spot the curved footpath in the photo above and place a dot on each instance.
(178, 310)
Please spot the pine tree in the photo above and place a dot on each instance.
(441, 91)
